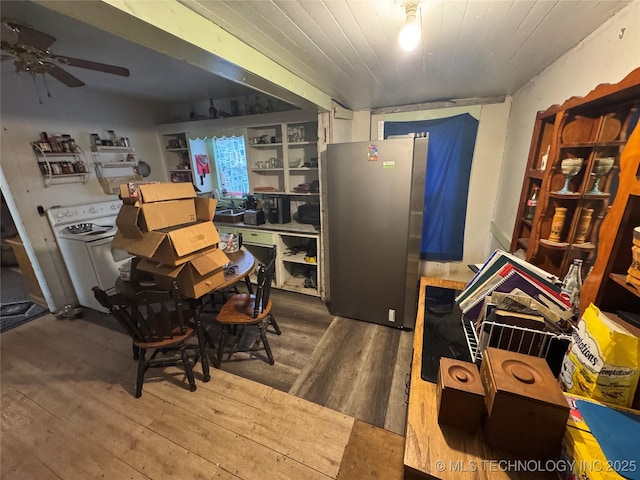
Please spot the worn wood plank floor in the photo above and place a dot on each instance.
(68, 412)
(353, 367)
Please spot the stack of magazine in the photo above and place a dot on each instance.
(514, 305)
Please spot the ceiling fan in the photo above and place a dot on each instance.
(29, 50)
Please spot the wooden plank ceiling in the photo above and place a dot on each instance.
(305, 51)
(348, 48)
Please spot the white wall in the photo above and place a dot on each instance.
(602, 57)
(483, 182)
(74, 111)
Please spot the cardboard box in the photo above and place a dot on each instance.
(581, 449)
(194, 278)
(161, 192)
(172, 246)
(134, 220)
(584, 458)
(129, 191)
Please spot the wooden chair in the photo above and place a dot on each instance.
(156, 321)
(244, 309)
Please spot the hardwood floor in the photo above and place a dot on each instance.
(68, 409)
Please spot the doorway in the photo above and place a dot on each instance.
(14, 285)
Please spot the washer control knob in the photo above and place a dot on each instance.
(59, 215)
(68, 214)
(93, 210)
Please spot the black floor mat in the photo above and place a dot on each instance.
(443, 333)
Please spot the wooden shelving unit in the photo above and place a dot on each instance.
(596, 126)
(606, 285)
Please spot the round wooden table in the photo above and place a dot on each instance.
(241, 265)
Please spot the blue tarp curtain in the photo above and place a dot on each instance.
(451, 144)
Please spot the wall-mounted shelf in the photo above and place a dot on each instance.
(62, 168)
(112, 149)
(114, 166)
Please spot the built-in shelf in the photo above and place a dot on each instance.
(565, 196)
(584, 246)
(526, 221)
(303, 169)
(180, 170)
(536, 174)
(265, 145)
(296, 258)
(555, 245)
(177, 149)
(310, 142)
(263, 170)
(621, 280)
(597, 196)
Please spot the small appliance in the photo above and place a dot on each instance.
(254, 217)
(281, 210)
(309, 213)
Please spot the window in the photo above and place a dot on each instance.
(231, 166)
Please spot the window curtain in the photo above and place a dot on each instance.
(450, 153)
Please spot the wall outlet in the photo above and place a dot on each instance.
(392, 315)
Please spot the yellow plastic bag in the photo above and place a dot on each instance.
(603, 362)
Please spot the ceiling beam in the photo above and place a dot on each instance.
(170, 27)
(454, 102)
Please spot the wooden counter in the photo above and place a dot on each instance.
(446, 453)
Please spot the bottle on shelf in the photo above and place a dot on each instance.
(532, 203)
(213, 113)
(113, 137)
(572, 284)
(95, 140)
(545, 158)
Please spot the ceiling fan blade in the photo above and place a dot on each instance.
(64, 76)
(30, 37)
(100, 67)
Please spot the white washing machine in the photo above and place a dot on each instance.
(84, 234)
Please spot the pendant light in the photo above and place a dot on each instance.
(410, 33)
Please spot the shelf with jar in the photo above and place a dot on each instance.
(114, 162)
(177, 157)
(61, 167)
(283, 158)
(574, 164)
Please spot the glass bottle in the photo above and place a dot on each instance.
(572, 284)
(213, 113)
(545, 158)
(532, 203)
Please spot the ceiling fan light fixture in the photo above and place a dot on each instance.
(410, 33)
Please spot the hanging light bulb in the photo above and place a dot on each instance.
(410, 33)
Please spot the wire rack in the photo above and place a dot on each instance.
(508, 337)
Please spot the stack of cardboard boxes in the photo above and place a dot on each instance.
(171, 231)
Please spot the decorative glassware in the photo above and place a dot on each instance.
(601, 166)
(570, 168)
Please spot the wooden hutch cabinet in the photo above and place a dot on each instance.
(584, 141)
(607, 285)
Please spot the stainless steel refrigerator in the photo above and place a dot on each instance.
(374, 206)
